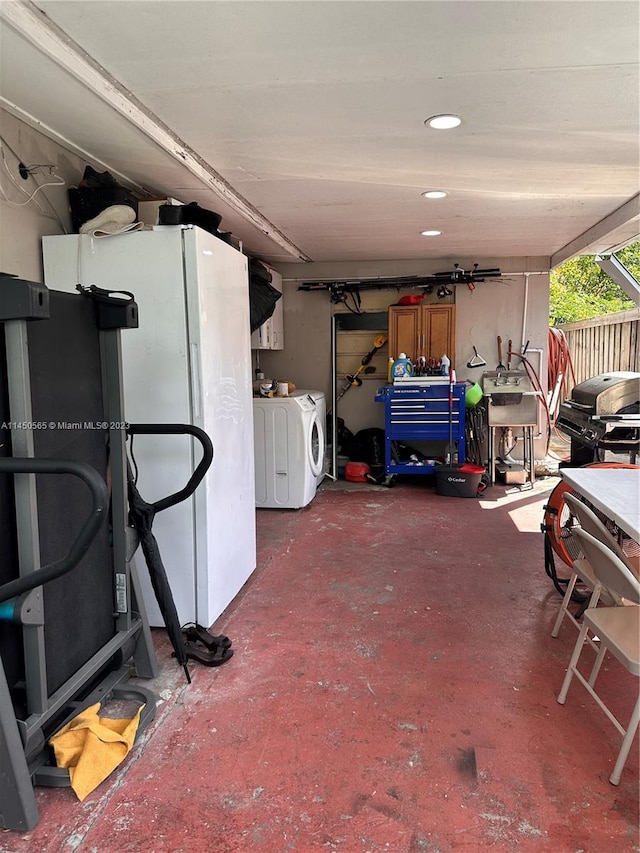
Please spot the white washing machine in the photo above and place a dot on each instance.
(289, 450)
(321, 408)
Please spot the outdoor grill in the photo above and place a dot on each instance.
(603, 414)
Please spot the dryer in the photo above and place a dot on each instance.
(289, 450)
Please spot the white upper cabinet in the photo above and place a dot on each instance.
(270, 335)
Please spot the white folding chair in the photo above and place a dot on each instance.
(581, 570)
(618, 630)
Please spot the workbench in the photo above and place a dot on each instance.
(421, 413)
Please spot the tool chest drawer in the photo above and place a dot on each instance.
(422, 414)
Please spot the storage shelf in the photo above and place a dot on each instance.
(404, 468)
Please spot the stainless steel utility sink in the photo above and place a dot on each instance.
(509, 398)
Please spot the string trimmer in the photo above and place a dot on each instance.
(354, 378)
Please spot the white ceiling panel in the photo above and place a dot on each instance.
(314, 113)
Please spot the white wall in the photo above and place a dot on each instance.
(495, 307)
(22, 225)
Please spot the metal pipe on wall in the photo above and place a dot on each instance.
(523, 340)
(334, 400)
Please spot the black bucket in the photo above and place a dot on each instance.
(458, 481)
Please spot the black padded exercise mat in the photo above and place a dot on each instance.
(11, 650)
(66, 394)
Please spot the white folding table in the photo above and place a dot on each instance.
(614, 491)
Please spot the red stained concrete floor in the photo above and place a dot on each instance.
(393, 689)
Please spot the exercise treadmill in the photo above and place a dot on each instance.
(72, 623)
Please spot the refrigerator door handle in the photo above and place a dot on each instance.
(196, 386)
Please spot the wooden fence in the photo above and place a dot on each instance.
(603, 344)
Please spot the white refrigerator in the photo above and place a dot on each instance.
(188, 362)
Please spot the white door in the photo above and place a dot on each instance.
(220, 356)
(315, 448)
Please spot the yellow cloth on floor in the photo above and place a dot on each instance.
(91, 747)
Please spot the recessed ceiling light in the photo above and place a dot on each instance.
(444, 121)
(435, 194)
(431, 233)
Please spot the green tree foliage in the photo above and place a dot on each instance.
(580, 290)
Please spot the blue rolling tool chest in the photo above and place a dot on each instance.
(421, 413)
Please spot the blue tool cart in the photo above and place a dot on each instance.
(421, 413)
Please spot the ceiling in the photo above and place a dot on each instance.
(302, 123)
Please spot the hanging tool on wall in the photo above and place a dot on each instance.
(500, 365)
(354, 378)
(338, 290)
(477, 360)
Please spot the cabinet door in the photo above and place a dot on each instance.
(270, 335)
(404, 331)
(276, 336)
(428, 330)
(439, 331)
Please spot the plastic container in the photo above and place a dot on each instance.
(401, 367)
(342, 464)
(390, 371)
(356, 472)
(458, 481)
(473, 395)
(259, 382)
(445, 364)
(268, 387)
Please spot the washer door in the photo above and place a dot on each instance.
(315, 445)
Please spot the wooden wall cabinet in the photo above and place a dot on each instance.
(428, 330)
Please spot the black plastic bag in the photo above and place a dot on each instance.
(262, 302)
(402, 453)
(369, 447)
(345, 439)
(257, 270)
